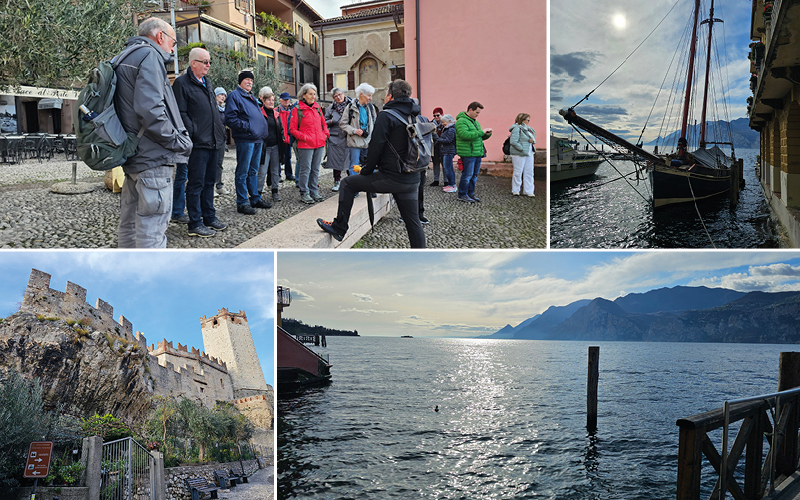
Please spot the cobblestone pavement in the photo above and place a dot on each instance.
(33, 217)
(260, 486)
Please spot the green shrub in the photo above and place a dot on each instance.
(109, 427)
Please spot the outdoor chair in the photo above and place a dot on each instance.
(224, 479)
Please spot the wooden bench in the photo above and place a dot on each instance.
(240, 479)
(199, 485)
(225, 479)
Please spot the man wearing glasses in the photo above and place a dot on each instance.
(146, 106)
(198, 106)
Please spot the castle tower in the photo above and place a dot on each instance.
(227, 337)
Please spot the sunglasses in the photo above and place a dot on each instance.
(204, 63)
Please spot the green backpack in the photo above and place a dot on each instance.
(102, 141)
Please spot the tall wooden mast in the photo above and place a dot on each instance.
(710, 22)
(690, 75)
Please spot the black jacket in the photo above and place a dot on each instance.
(390, 129)
(199, 111)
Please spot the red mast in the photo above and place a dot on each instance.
(710, 22)
(692, 52)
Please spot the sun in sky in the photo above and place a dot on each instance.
(619, 21)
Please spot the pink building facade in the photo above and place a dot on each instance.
(472, 50)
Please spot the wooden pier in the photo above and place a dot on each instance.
(766, 423)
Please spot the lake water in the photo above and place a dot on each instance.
(512, 421)
(586, 213)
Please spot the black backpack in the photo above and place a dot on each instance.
(419, 146)
(507, 146)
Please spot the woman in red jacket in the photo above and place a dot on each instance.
(308, 126)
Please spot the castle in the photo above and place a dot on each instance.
(229, 369)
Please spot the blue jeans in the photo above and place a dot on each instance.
(308, 162)
(447, 170)
(355, 158)
(178, 193)
(200, 188)
(469, 176)
(248, 156)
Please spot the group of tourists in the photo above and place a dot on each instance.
(184, 125)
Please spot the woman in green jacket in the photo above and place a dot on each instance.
(469, 146)
(522, 141)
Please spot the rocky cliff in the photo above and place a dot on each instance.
(83, 369)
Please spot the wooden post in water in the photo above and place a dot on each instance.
(591, 388)
(789, 378)
(736, 175)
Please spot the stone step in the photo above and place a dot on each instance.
(302, 231)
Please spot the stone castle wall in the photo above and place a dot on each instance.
(181, 371)
(71, 304)
(227, 336)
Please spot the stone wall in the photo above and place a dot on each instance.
(192, 374)
(176, 476)
(71, 304)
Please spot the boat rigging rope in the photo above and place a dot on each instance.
(602, 153)
(689, 179)
(601, 184)
(629, 55)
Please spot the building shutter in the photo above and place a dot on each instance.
(395, 42)
(340, 47)
(328, 82)
(351, 80)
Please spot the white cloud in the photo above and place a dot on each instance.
(362, 297)
(366, 311)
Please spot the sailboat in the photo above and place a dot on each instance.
(682, 176)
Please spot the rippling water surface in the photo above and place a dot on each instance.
(591, 212)
(512, 418)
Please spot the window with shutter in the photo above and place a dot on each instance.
(394, 41)
(339, 48)
(351, 80)
(329, 81)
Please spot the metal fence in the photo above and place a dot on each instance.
(128, 471)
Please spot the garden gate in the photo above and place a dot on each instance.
(128, 471)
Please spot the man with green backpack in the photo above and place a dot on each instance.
(146, 106)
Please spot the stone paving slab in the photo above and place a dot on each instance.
(260, 486)
(33, 217)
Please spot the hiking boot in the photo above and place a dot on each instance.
(305, 198)
(434, 183)
(276, 196)
(466, 199)
(328, 228)
(317, 197)
(222, 190)
(183, 219)
(217, 225)
(216, 194)
(335, 186)
(202, 231)
(261, 204)
(475, 198)
(246, 209)
(424, 220)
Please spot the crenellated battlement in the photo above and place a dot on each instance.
(39, 298)
(224, 314)
(182, 351)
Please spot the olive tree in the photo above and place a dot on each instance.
(54, 43)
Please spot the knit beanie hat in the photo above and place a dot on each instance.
(220, 90)
(438, 111)
(246, 74)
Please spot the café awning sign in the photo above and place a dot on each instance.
(40, 92)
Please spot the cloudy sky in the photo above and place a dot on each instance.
(330, 8)
(589, 39)
(164, 294)
(465, 294)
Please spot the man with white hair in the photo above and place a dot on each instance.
(146, 106)
(198, 105)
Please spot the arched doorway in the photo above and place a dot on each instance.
(368, 72)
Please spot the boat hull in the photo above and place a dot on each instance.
(672, 185)
(564, 171)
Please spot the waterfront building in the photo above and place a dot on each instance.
(774, 108)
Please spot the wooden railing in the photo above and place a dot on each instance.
(771, 419)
